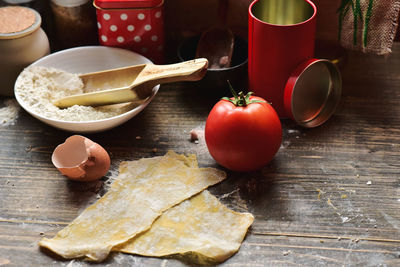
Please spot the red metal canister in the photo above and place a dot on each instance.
(281, 36)
(136, 25)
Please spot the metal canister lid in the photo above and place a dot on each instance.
(313, 92)
(70, 3)
(122, 4)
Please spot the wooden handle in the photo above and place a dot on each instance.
(133, 83)
(192, 70)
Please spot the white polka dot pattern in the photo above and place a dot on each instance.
(106, 16)
(139, 30)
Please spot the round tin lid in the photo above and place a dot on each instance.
(70, 3)
(18, 21)
(313, 92)
(121, 4)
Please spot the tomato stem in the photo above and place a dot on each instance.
(241, 100)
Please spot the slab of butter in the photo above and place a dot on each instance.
(200, 227)
(144, 189)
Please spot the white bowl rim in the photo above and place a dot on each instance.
(141, 106)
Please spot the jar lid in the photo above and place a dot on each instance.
(70, 3)
(313, 92)
(17, 2)
(118, 4)
(18, 21)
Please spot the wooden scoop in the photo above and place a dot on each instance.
(131, 83)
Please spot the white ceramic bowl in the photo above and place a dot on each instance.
(89, 59)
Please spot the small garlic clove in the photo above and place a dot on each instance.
(79, 158)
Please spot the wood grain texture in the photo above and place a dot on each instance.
(330, 197)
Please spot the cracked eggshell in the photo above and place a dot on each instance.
(81, 159)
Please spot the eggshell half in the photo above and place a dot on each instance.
(79, 158)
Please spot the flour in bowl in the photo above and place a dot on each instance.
(38, 87)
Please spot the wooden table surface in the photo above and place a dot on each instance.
(330, 197)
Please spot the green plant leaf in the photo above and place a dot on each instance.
(366, 22)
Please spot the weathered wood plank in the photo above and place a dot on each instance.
(330, 197)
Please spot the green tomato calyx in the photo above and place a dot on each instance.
(241, 100)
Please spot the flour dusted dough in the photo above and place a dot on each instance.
(200, 225)
(144, 189)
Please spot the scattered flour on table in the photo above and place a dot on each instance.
(74, 263)
(38, 87)
(9, 113)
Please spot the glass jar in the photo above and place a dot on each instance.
(75, 23)
(22, 41)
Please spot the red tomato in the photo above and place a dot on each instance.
(243, 138)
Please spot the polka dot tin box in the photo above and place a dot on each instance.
(136, 25)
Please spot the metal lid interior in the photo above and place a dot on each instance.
(315, 93)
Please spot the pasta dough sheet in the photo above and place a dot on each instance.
(144, 189)
(200, 225)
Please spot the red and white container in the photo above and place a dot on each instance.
(137, 25)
